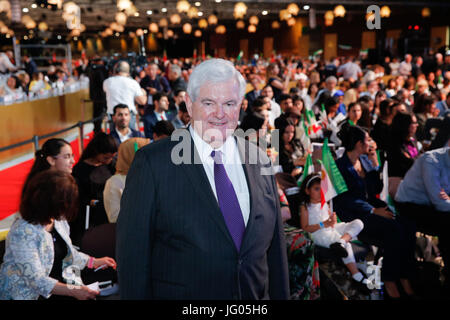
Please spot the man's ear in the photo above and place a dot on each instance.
(189, 103)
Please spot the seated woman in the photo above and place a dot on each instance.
(403, 148)
(360, 170)
(91, 172)
(55, 154)
(115, 185)
(381, 132)
(423, 197)
(424, 110)
(291, 152)
(40, 259)
(353, 116)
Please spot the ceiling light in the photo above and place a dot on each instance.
(59, 37)
(136, 14)
(200, 14)
(265, 12)
(198, 4)
(218, 1)
(149, 12)
(34, 5)
(164, 10)
(25, 10)
(306, 7)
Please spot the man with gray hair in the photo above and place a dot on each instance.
(5, 62)
(222, 238)
(176, 81)
(122, 89)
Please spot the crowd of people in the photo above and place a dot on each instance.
(29, 82)
(393, 114)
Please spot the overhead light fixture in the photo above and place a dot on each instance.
(254, 20)
(25, 10)
(221, 29)
(175, 19)
(202, 23)
(145, 31)
(218, 1)
(293, 9)
(183, 6)
(153, 27)
(240, 10)
(339, 11)
(426, 12)
(275, 25)
(200, 14)
(385, 12)
(34, 5)
(212, 19)
(187, 28)
(198, 33)
(164, 10)
(306, 7)
(265, 12)
(251, 28)
(240, 24)
(136, 14)
(197, 4)
(149, 12)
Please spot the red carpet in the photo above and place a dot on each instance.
(12, 179)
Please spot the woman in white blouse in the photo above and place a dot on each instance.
(115, 185)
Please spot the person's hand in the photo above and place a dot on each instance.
(372, 155)
(83, 293)
(296, 172)
(443, 195)
(383, 212)
(300, 161)
(106, 262)
(331, 221)
(152, 91)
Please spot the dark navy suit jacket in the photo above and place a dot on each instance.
(150, 120)
(180, 248)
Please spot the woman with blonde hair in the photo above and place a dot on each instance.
(114, 186)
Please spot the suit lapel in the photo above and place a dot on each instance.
(199, 181)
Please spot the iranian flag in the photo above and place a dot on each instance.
(332, 170)
(241, 54)
(323, 116)
(327, 190)
(308, 169)
(304, 137)
(313, 126)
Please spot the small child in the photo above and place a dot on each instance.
(325, 232)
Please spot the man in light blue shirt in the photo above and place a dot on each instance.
(423, 196)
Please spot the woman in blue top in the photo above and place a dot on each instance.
(360, 169)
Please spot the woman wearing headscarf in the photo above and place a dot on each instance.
(114, 186)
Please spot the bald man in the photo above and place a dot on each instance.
(122, 89)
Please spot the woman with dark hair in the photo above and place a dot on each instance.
(258, 121)
(360, 170)
(54, 154)
(403, 149)
(291, 152)
(353, 116)
(278, 85)
(423, 109)
(381, 130)
(95, 167)
(366, 119)
(40, 258)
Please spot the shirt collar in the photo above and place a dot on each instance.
(204, 149)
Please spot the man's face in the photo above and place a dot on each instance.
(180, 97)
(255, 83)
(331, 84)
(152, 71)
(11, 82)
(285, 104)
(163, 103)
(215, 112)
(122, 118)
(267, 92)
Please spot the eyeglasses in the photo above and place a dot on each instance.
(65, 156)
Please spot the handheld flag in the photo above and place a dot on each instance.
(332, 170)
(308, 169)
(326, 187)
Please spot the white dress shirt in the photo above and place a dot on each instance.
(233, 166)
(125, 137)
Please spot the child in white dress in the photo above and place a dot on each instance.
(323, 226)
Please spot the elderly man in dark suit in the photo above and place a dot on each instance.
(223, 238)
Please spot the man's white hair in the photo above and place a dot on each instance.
(214, 71)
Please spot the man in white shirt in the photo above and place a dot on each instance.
(122, 89)
(350, 70)
(406, 67)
